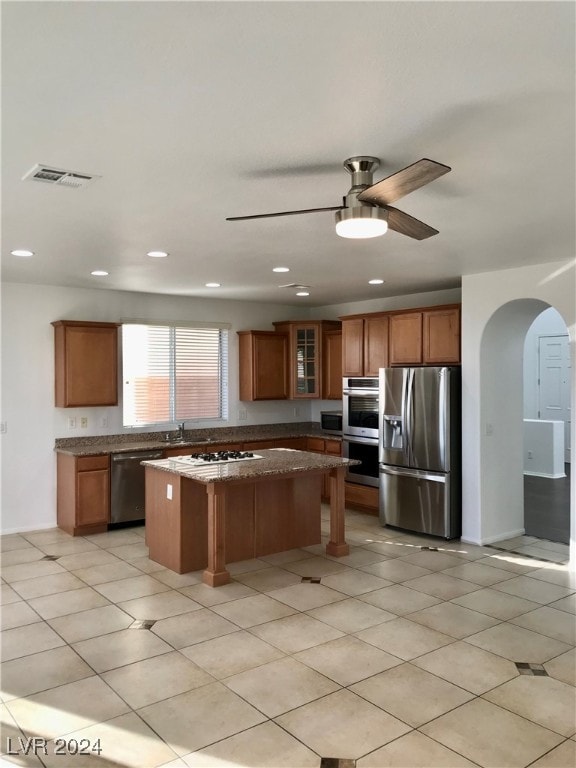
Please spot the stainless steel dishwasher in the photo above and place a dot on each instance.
(127, 492)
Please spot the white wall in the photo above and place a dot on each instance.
(28, 458)
(549, 323)
(498, 308)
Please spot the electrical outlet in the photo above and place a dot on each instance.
(104, 421)
(242, 414)
(3, 427)
(296, 411)
(71, 422)
(530, 455)
(84, 422)
(489, 429)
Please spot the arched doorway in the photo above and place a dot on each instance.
(501, 419)
(547, 432)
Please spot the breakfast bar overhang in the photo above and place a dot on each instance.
(202, 517)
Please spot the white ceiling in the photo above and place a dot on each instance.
(191, 112)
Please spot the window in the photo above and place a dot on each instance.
(174, 373)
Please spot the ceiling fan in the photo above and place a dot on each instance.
(366, 209)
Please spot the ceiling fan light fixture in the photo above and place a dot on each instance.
(361, 222)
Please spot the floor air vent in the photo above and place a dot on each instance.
(49, 175)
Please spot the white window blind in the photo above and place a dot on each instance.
(174, 373)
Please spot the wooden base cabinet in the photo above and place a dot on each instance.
(83, 494)
(363, 497)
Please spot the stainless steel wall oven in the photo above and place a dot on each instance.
(366, 450)
(360, 407)
(360, 398)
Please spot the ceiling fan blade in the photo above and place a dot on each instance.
(402, 183)
(284, 213)
(407, 225)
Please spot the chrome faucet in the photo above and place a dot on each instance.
(181, 430)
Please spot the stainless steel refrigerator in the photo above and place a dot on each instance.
(419, 450)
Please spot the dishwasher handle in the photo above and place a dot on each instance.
(141, 455)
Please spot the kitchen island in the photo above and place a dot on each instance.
(201, 517)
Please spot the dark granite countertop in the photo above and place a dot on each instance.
(271, 462)
(197, 438)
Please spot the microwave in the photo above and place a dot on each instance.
(331, 422)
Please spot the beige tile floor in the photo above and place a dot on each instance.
(400, 657)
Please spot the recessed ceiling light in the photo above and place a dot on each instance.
(376, 281)
(22, 252)
(302, 293)
(212, 285)
(157, 254)
(281, 269)
(99, 273)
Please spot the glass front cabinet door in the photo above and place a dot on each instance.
(306, 378)
(306, 358)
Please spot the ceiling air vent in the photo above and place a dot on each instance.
(49, 175)
(294, 285)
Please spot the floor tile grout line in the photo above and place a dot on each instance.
(417, 730)
(524, 717)
(499, 706)
(427, 722)
(567, 739)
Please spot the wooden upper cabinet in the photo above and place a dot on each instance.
(441, 336)
(86, 363)
(332, 365)
(375, 344)
(353, 347)
(364, 345)
(306, 361)
(423, 336)
(406, 338)
(263, 357)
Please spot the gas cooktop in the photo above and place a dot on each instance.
(200, 459)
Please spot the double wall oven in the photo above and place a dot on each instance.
(360, 428)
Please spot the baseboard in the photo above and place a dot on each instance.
(27, 529)
(492, 539)
(545, 474)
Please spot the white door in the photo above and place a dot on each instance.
(554, 383)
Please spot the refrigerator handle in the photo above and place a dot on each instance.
(409, 415)
(403, 411)
(418, 474)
